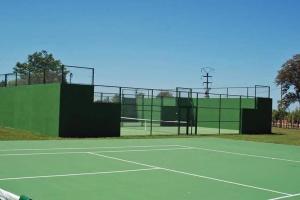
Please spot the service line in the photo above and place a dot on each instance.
(190, 174)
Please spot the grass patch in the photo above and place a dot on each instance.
(279, 136)
(15, 134)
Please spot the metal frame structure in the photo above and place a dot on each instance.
(63, 72)
(117, 94)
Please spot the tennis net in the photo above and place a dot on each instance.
(144, 126)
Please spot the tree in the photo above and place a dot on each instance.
(279, 115)
(38, 64)
(165, 94)
(288, 78)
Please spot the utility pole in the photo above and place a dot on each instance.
(206, 83)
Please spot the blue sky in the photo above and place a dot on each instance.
(157, 43)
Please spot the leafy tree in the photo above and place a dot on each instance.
(279, 114)
(294, 116)
(37, 64)
(289, 79)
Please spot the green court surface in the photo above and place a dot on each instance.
(136, 169)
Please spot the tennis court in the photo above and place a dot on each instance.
(175, 168)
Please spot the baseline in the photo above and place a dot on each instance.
(89, 148)
(84, 152)
(242, 154)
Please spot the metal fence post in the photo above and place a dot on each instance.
(220, 98)
(93, 76)
(151, 114)
(196, 120)
(255, 96)
(44, 75)
(240, 121)
(143, 106)
(247, 92)
(120, 93)
(187, 119)
(16, 81)
(178, 94)
(29, 77)
(5, 80)
(227, 92)
(62, 74)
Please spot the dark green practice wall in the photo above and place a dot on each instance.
(58, 110)
(33, 108)
(80, 117)
(257, 121)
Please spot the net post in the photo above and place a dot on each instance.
(151, 114)
(220, 104)
(240, 115)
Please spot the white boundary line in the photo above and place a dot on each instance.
(286, 197)
(89, 148)
(84, 152)
(147, 146)
(78, 174)
(189, 174)
(242, 154)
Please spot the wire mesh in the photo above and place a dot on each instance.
(107, 94)
(77, 75)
